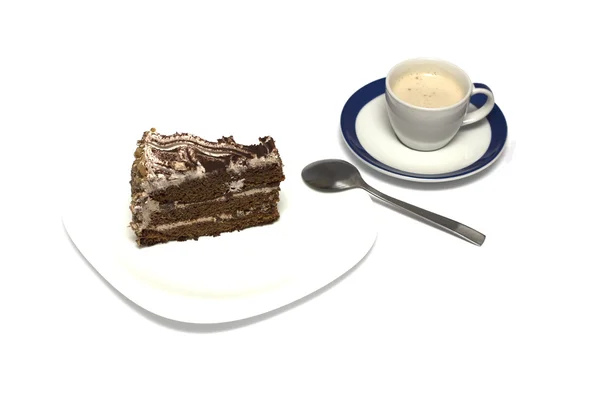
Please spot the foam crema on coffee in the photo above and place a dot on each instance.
(428, 89)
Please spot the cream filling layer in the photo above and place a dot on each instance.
(220, 217)
(248, 192)
(172, 225)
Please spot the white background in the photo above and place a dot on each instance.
(424, 315)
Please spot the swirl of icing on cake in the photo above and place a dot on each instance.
(167, 156)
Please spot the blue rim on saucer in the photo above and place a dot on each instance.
(373, 90)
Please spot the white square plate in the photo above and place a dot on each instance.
(319, 237)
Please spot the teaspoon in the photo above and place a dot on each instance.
(339, 175)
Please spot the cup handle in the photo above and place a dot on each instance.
(477, 115)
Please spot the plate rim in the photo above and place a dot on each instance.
(360, 98)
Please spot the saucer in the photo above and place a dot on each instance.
(369, 135)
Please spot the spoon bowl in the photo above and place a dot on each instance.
(331, 175)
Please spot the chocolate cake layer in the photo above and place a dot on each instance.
(217, 184)
(207, 227)
(156, 213)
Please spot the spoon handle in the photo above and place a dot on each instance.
(456, 228)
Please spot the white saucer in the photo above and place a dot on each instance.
(369, 135)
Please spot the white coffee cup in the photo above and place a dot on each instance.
(431, 128)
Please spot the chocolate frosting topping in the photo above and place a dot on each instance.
(163, 156)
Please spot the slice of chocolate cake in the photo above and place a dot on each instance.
(184, 187)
